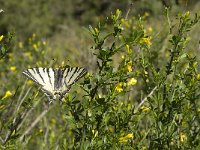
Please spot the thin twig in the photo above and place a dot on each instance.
(27, 114)
(2, 141)
(46, 131)
(150, 94)
(22, 100)
(19, 103)
(128, 11)
(35, 122)
(9, 133)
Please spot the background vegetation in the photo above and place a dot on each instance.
(143, 81)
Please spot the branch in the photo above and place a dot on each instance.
(150, 94)
(35, 122)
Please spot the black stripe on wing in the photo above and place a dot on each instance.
(66, 72)
(73, 75)
(82, 72)
(58, 76)
(30, 75)
(39, 73)
(48, 71)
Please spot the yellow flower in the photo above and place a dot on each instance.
(129, 107)
(35, 46)
(28, 54)
(114, 108)
(1, 37)
(129, 66)
(96, 31)
(20, 44)
(44, 43)
(187, 14)
(118, 12)
(146, 41)
(100, 96)
(13, 68)
(7, 95)
(129, 136)
(122, 20)
(195, 64)
(183, 137)
(95, 133)
(144, 109)
(119, 87)
(121, 104)
(132, 81)
(124, 139)
(198, 76)
(29, 82)
(146, 14)
(129, 50)
(150, 29)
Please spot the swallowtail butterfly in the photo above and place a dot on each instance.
(55, 82)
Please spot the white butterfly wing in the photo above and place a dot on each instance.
(42, 76)
(70, 76)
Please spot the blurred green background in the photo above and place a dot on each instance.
(63, 24)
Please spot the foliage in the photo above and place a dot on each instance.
(5, 43)
(107, 110)
(50, 17)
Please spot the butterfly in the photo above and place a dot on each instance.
(56, 83)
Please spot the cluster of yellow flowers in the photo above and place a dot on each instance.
(146, 40)
(129, 68)
(36, 44)
(126, 23)
(120, 85)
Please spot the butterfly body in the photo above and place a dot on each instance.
(55, 83)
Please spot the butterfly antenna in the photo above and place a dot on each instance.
(52, 62)
(128, 11)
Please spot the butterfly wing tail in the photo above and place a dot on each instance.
(50, 96)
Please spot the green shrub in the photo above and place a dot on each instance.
(130, 101)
